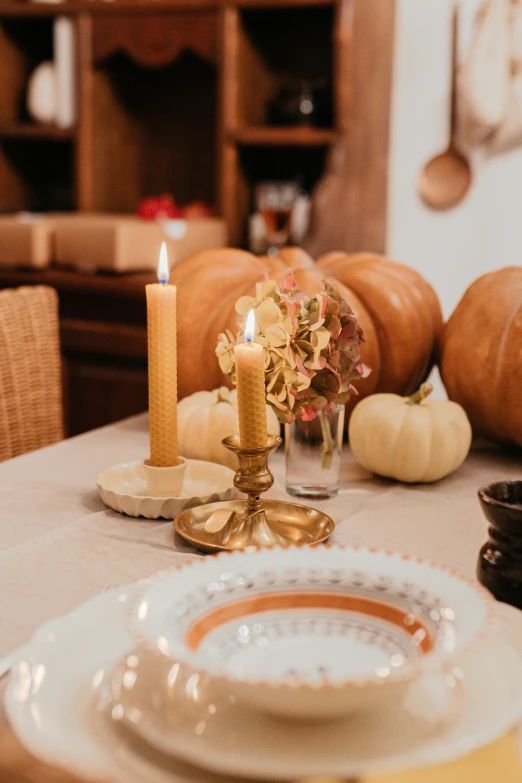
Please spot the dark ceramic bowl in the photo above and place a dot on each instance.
(502, 505)
(499, 565)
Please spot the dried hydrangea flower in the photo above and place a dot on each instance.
(312, 348)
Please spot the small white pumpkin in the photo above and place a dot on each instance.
(410, 439)
(41, 93)
(205, 418)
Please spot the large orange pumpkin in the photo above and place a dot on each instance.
(397, 309)
(481, 363)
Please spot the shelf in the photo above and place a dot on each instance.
(262, 4)
(25, 8)
(284, 136)
(26, 130)
(129, 287)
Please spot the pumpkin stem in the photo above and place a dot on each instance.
(420, 395)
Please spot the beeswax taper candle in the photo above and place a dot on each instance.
(163, 386)
(250, 381)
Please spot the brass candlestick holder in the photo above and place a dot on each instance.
(239, 524)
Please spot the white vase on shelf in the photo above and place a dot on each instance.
(64, 41)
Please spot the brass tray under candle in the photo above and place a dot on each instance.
(287, 524)
(251, 522)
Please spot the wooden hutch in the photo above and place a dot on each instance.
(172, 98)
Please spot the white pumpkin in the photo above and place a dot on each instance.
(41, 93)
(410, 439)
(205, 418)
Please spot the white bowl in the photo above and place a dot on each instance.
(124, 488)
(311, 633)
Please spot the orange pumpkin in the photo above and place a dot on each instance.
(397, 309)
(481, 364)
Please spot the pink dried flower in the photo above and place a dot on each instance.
(289, 283)
(312, 348)
(309, 412)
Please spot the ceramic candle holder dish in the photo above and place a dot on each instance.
(165, 482)
(125, 488)
(499, 565)
(310, 633)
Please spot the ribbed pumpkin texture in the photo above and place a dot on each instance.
(411, 439)
(481, 362)
(397, 309)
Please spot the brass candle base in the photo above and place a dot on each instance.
(252, 523)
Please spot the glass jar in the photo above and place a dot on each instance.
(313, 455)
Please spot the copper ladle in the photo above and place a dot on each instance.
(445, 179)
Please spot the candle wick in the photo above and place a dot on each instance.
(163, 280)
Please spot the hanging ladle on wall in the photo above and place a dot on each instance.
(445, 179)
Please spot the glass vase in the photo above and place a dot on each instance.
(313, 455)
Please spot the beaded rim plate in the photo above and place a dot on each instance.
(310, 632)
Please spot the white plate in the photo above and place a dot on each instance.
(311, 633)
(124, 488)
(49, 703)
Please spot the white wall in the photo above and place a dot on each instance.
(450, 249)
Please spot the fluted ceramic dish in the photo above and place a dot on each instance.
(311, 634)
(73, 661)
(124, 488)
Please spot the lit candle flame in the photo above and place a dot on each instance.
(163, 266)
(250, 327)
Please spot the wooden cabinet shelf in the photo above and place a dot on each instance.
(281, 136)
(197, 98)
(27, 130)
(261, 4)
(23, 8)
(183, 96)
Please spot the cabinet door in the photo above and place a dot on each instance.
(99, 392)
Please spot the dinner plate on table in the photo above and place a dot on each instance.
(63, 703)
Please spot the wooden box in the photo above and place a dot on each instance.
(122, 243)
(25, 240)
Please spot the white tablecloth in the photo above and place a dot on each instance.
(60, 545)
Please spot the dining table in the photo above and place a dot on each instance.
(60, 545)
